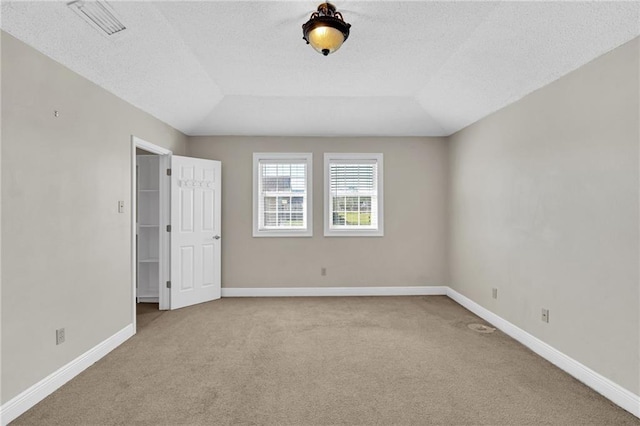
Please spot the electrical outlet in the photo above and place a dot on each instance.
(494, 293)
(545, 315)
(59, 336)
(323, 271)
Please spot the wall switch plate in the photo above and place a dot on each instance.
(494, 293)
(59, 336)
(545, 315)
(120, 206)
(323, 271)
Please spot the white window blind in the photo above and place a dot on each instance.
(282, 194)
(354, 196)
(354, 200)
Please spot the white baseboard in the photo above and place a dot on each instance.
(610, 390)
(334, 291)
(36, 393)
(148, 299)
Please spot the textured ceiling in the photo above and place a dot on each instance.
(412, 68)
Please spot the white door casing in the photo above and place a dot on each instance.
(195, 230)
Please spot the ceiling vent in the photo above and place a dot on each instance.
(99, 15)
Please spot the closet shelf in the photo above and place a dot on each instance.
(148, 228)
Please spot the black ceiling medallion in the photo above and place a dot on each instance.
(325, 30)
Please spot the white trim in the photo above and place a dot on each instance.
(164, 300)
(307, 157)
(334, 291)
(149, 299)
(148, 146)
(610, 390)
(134, 230)
(378, 158)
(36, 393)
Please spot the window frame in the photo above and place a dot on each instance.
(307, 158)
(330, 157)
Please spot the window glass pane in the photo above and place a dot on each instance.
(365, 204)
(338, 218)
(269, 170)
(284, 183)
(298, 178)
(352, 204)
(352, 177)
(283, 177)
(297, 203)
(269, 219)
(284, 204)
(284, 219)
(269, 203)
(352, 218)
(284, 169)
(297, 219)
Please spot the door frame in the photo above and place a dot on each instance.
(164, 214)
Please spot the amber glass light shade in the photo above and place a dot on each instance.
(325, 39)
(326, 30)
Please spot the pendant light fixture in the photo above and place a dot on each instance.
(325, 30)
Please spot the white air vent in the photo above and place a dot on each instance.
(99, 15)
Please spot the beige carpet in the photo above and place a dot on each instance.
(311, 361)
(146, 313)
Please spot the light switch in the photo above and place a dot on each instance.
(120, 206)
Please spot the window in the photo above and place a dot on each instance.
(282, 195)
(353, 195)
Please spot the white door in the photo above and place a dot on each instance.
(195, 231)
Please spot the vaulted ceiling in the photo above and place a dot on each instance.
(416, 68)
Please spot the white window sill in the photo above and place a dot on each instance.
(282, 233)
(354, 233)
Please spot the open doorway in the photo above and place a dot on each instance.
(147, 237)
(176, 226)
(150, 242)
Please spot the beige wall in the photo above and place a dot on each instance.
(65, 249)
(544, 201)
(411, 253)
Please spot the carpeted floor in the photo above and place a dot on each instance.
(146, 313)
(312, 361)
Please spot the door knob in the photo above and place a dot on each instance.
(217, 237)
